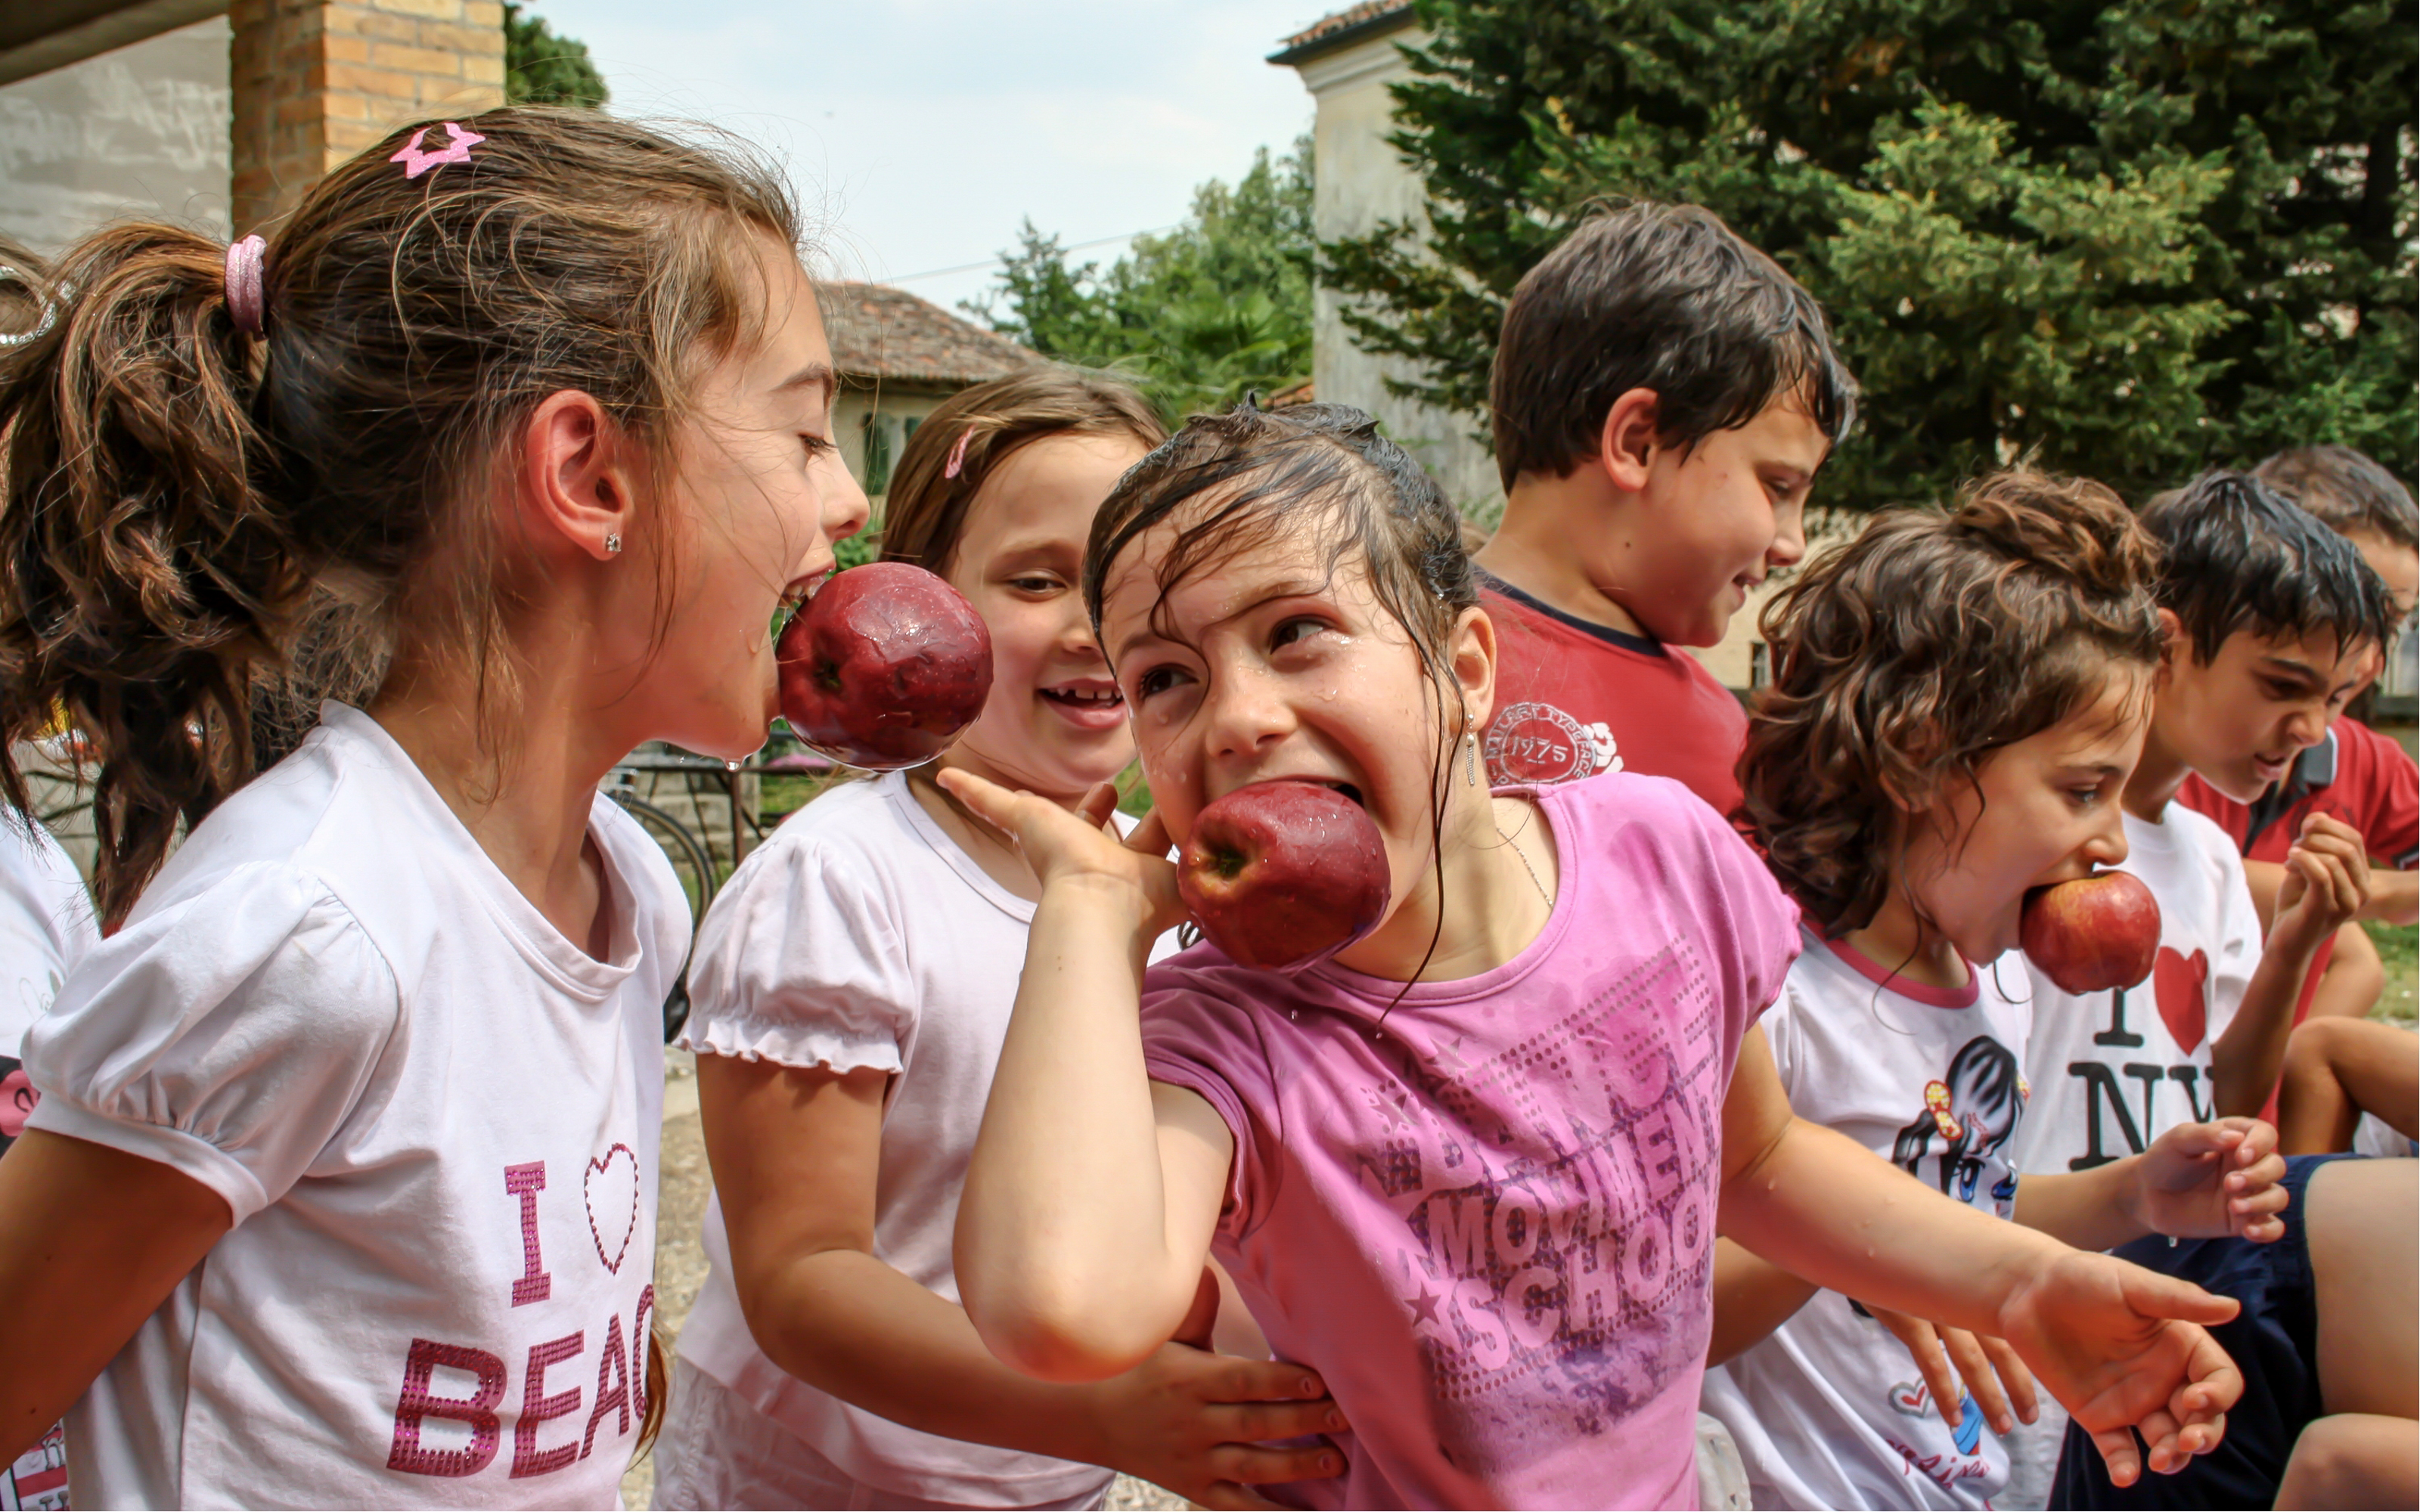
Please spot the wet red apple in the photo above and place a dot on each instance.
(884, 667)
(1284, 873)
(2093, 935)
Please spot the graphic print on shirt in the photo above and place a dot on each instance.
(1538, 745)
(451, 1425)
(37, 1478)
(1559, 1199)
(1914, 1398)
(2181, 994)
(1972, 1109)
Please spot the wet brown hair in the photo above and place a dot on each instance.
(1906, 658)
(1322, 470)
(926, 512)
(182, 498)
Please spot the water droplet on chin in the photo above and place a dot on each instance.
(731, 766)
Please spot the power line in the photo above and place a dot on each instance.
(994, 261)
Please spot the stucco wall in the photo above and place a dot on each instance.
(1360, 181)
(140, 131)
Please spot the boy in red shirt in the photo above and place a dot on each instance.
(1663, 395)
(2354, 773)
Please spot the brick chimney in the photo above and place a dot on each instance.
(317, 81)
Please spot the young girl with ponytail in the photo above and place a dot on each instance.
(341, 1191)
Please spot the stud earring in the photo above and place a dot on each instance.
(613, 543)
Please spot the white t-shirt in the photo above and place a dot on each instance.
(860, 937)
(1828, 1410)
(435, 1120)
(47, 923)
(2113, 1071)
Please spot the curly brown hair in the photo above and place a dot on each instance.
(1904, 658)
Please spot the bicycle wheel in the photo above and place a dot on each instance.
(694, 866)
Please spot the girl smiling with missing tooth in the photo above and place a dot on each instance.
(851, 987)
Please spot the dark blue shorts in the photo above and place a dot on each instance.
(2273, 1342)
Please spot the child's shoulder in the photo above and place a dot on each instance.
(1642, 809)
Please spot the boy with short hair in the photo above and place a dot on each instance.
(2354, 773)
(1663, 395)
(2272, 622)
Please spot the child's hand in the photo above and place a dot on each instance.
(1985, 1363)
(2326, 882)
(2210, 1181)
(1059, 845)
(2123, 1348)
(1199, 1423)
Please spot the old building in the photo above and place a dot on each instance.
(1347, 60)
(898, 357)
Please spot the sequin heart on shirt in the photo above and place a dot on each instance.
(609, 1187)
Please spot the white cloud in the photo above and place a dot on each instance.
(923, 130)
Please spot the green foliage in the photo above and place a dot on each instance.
(2133, 237)
(541, 69)
(857, 549)
(1200, 317)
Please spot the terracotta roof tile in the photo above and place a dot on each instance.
(878, 331)
(1350, 19)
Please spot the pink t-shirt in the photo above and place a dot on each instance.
(1489, 1221)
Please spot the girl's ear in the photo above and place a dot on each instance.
(1471, 649)
(576, 485)
(1627, 444)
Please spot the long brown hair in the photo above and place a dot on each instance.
(1904, 658)
(180, 496)
(980, 427)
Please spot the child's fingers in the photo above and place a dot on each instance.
(1238, 1380)
(2023, 1394)
(1226, 1493)
(1150, 836)
(2150, 1294)
(2163, 1454)
(991, 803)
(1266, 1422)
(1966, 1352)
(1933, 1365)
(2119, 1453)
(1098, 804)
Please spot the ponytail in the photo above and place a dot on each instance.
(144, 574)
(207, 521)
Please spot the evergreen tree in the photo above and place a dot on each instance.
(2133, 237)
(1200, 317)
(541, 69)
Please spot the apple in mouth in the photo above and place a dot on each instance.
(1284, 873)
(884, 667)
(2093, 935)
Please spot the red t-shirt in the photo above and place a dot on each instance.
(2356, 775)
(1574, 699)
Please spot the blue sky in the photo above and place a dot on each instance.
(923, 130)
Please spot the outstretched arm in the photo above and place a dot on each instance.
(1093, 1194)
(2118, 1345)
(2325, 882)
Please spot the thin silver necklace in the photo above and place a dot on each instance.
(1535, 880)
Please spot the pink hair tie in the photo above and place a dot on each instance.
(245, 301)
(958, 454)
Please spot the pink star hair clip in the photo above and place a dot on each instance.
(416, 162)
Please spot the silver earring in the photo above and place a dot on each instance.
(613, 543)
(1470, 760)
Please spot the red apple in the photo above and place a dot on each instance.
(884, 667)
(2092, 934)
(1284, 873)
